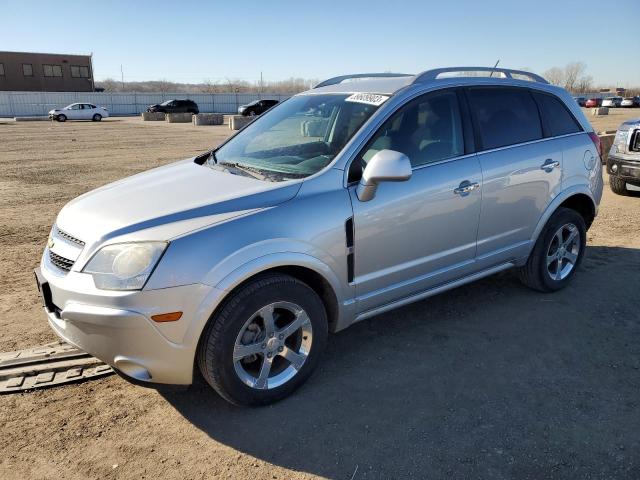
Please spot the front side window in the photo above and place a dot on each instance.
(556, 116)
(427, 129)
(505, 116)
(297, 138)
(27, 70)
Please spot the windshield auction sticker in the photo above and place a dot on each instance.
(368, 98)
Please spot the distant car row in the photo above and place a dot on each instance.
(88, 111)
(257, 107)
(611, 102)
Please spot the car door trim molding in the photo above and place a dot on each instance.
(433, 291)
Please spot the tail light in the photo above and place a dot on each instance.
(596, 142)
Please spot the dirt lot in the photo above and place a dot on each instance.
(489, 380)
(613, 120)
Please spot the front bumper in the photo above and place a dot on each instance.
(626, 169)
(116, 327)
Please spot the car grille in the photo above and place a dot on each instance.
(60, 262)
(64, 256)
(70, 238)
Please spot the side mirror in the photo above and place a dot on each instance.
(384, 166)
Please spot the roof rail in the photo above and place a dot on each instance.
(507, 72)
(341, 78)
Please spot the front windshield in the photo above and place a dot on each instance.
(297, 138)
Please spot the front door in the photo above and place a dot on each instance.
(418, 234)
(74, 112)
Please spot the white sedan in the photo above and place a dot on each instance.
(79, 111)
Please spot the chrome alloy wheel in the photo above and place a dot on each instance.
(563, 252)
(273, 345)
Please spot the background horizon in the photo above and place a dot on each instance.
(197, 43)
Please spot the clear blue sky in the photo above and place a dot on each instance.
(188, 41)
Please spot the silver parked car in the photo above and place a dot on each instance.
(612, 102)
(79, 111)
(364, 194)
(631, 102)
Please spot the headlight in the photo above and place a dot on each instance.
(124, 266)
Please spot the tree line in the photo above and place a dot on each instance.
(288, 86)
(572, 77)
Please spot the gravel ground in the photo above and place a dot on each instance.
(489, 380)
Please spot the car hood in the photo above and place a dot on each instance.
(168, 201)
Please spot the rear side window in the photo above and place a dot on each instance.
(505, 116)
(556, 116)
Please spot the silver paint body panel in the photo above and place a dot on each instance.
(413, 239)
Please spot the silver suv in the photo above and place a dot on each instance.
(364, 194)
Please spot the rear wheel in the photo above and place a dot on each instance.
(264, 342)
(97, 117)
(62, 118)
(618, 185)
(557, 252)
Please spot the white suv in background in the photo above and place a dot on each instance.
(79, 111)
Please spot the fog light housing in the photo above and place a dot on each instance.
(614, 167)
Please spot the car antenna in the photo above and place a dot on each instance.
(494, 67)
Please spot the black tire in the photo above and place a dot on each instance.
(62, 118)
(535, 273)
(618, 185)
(252, 113)
(216, 347)
(97, 117)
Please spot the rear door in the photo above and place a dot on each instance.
(522, 171)
(88, 111)
(415, 235)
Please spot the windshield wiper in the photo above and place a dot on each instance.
(245, 170)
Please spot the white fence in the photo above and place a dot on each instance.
(21, 104)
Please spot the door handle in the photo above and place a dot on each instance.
(466, 188)
(549, 165)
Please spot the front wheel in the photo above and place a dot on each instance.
(265, 341)
(557, 252)
(97, 117)
(62, 118)
(618, 185)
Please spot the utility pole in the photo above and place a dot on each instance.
(122, 77)
(261, 86)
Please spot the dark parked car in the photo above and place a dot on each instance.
(593, 102)
(174, 106)
(256, 108)
(580, 101)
